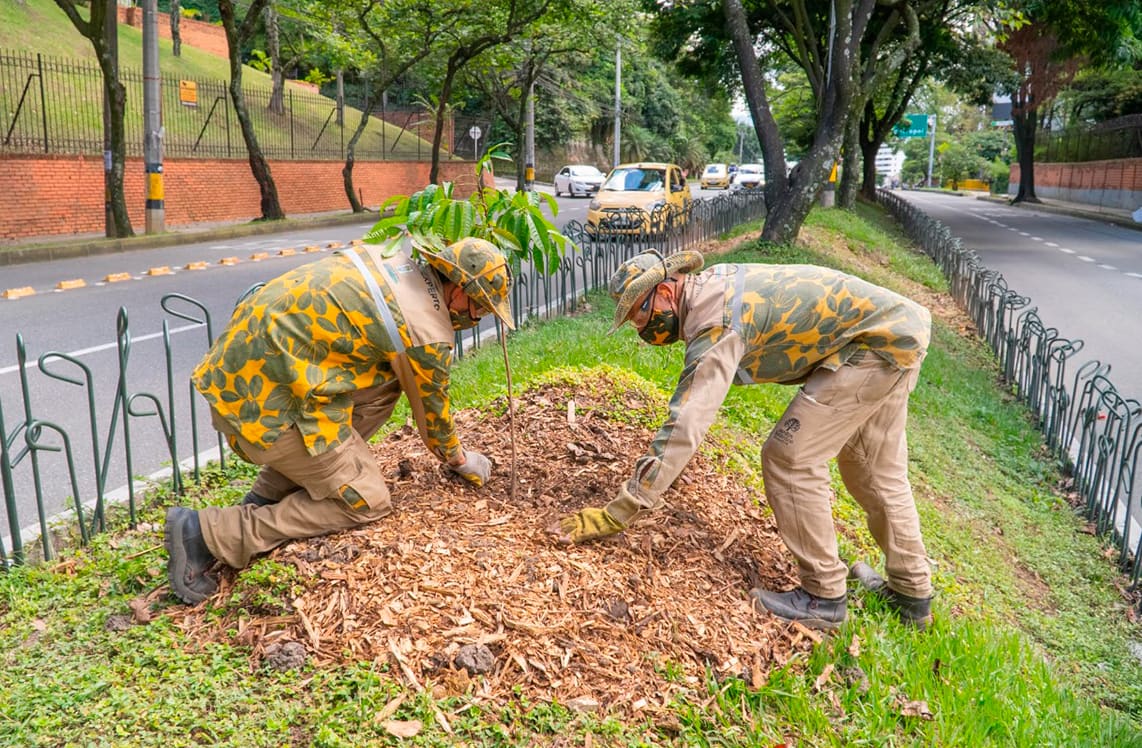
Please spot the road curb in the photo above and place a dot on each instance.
(1093, 215)
(24, 254)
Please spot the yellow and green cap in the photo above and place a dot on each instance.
(481, 271)
(637, 276)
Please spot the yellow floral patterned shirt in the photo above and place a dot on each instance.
(296, 349)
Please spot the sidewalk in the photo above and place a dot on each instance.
(66, 247)
(1117, 216)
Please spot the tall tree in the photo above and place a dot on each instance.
(102, 15)
(1047, 40)
(487, 23)
(237, 34)
(508, 75)
(174, 15)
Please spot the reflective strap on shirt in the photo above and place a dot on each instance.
(378, 299)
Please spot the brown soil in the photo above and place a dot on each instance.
(623, 623)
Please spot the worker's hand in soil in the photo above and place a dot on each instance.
(591, 523)
(476, 469)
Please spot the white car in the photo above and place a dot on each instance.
(748, 177)
(578, 179)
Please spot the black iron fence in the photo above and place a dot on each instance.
(116, 429)
(55, 105)
(1113, 139)
(1092, 429)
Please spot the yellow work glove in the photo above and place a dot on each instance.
(476, 469)
(593, 523)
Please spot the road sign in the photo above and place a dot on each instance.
(912, 126)
(475, 132)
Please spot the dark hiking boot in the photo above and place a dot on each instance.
(913, 611)
(189, 558)
(825, 613)
(253, 499)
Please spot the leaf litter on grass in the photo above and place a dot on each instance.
(462, 591)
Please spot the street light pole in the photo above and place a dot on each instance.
(931, 148)
(153, 119)
(618, 97)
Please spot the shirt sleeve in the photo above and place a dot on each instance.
(711, 360)
(427, 395)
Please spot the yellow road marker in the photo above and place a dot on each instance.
(259, 256)
(16, 293)
(229, 261)
(117, 277)
(200, 265)
(160, 270)
(70, 284)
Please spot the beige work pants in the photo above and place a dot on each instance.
(308, 490)
(857, 414)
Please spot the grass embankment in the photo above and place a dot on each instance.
(1031, 645)
(75, 105)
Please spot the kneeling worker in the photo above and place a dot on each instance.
(309, 367)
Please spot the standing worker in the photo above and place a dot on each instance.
(855, 348)
(310, 366)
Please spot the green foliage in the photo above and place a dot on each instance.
(514, 222)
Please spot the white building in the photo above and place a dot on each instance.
(889, 163)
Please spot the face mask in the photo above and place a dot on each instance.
(662, 327)
(462, 320)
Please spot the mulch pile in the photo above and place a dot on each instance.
(461, 590)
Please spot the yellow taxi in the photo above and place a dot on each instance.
(715, 177)
(644, 197)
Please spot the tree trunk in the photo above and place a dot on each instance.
(850, 169)
(277, 74)
(1024, 132)
(869, 147)
(351, 156)
(175, 14)
(259, 167)
(118, 94)
(441, 110)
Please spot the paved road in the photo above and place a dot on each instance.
(1085, 276)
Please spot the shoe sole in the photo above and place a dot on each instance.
(817, 624)
(176, 563)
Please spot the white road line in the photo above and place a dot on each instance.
(106, 346)
(1023, 233)
(1084, 258)
(1067, 251)
(1108, 267)
(1037, 238)
(1051, 244)
(1134, 275)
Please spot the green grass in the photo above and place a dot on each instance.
(1031, 644)
(75, 108)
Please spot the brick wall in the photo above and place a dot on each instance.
(198, 34)
(62, 196)
(1109, 184)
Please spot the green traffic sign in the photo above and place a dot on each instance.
(912, 126)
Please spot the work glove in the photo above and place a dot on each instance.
(476, 469)
(593, 523)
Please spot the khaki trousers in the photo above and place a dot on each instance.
(857, 414)
(313, 494)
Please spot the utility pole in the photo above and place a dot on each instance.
(618, 97)
(111, 38)
(931, 147)
(152, 119)
(529, 142)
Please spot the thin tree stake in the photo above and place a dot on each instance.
(511, 410)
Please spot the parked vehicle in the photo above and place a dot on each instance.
(715, 177)
(749, 177)
(578, 179)
(641, 197)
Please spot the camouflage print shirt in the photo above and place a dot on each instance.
(746, 324)
(295, 351)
